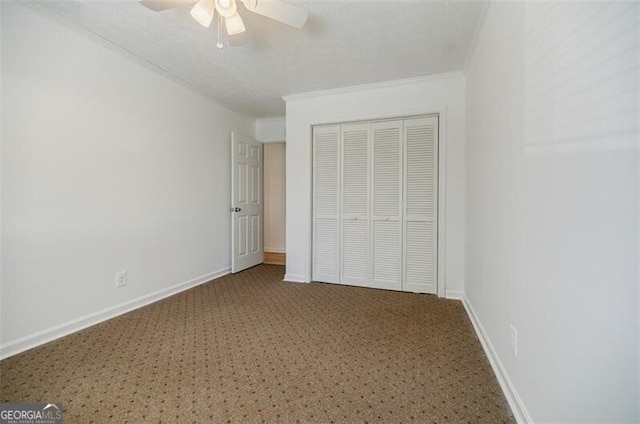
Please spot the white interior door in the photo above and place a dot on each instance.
(246, 203)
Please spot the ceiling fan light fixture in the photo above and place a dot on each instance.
(226, 8)
(203, 12)
(234, 24)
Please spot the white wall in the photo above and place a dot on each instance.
(270, 130)
(106, 166)
(274, 197)
(439, 93)
(552, 204)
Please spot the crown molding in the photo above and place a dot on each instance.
(267, 121)
(374, 86)
(476, 34)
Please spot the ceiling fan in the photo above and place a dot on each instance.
(203, 11)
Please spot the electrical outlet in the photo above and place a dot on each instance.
(121, 278)
(514, 340)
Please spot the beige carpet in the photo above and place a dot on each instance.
(249, 348)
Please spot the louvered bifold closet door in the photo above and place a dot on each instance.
(386, 205)
(420, 211)
(326, 197)
(355, 204)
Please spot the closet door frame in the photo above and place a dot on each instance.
(441, 113)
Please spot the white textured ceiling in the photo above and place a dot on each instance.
(344, 43)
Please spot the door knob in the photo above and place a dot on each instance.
(235, 209)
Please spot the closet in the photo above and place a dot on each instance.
(375, 204)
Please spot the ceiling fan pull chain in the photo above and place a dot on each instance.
(219, 44)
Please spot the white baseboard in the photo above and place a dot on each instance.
(515, 402)
(453, 294)
(295, 278)
(274, 250)
(45, 336)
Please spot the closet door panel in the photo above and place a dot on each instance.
(386, 270)
(325, 252)
(386, 204)
(326, 200)
(355, 204)
(420, 248)
(420, 212)
(355, 173)
(355, 257)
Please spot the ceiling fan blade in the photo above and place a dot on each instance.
(234, 24)
(159, 5)
(278, 10)
(235, 40)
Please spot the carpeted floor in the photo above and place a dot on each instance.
(249, 348)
